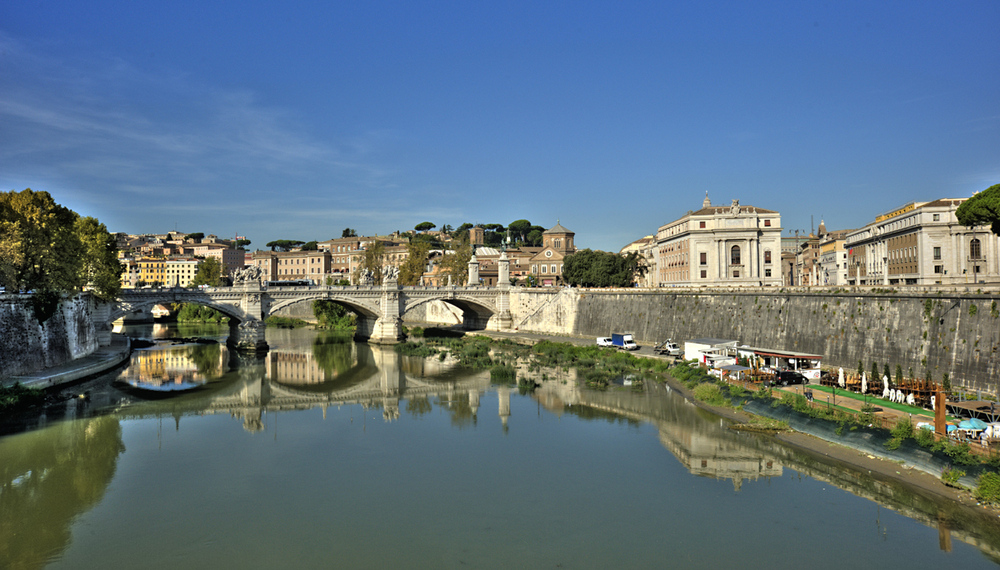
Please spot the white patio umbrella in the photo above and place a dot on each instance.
(864, 384)
(840, 378)
(886, 381)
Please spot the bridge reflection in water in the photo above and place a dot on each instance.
(336, 371)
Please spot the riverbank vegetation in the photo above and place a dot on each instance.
(333, 316)
(192, 313)
(18, 397)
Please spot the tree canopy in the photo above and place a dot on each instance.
(587, 268)
(209, 273)
(349, 232)
(372, 261)
(284, 244)
(424, 226)
(983, 208)
(195, 236)
(310, 246)
(456, 263)
(413, 268)
(241, 243)
(50, 250)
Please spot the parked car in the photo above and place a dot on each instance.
(786, 377)
(604, 341)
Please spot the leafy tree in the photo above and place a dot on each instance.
(100, 267)
(416, 261)
(310, 246)
(519, 230)
(456, 263)
(209, 273)
(446, 229)
(241, 243)
(424, 226)
(198, 236)
(331, 315)
(46, 248)
(372, 260)
(534, 238)
(349, 232)
(284, 244)
(589, 268)
(983, 208)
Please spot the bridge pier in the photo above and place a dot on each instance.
(248, 335)
(388, 327)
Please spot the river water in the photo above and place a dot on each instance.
(326, 453)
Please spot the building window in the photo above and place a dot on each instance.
(704, 258)
(736, 273)
(767, 273)
(937, 217)
(701, 225)
(734, 255)
(767, 223)
(704, 274)
(553, 269)
(545, 269)
(938, 269)
(767, 256)
(975, 250)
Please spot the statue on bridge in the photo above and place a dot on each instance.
(247, 274)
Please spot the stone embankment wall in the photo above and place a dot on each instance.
(929, 332)
(27, 346)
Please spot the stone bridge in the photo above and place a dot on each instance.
(378, 308)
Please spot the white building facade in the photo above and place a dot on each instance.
(922, 243)
(720, 246)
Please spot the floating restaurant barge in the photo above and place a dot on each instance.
(715, 352)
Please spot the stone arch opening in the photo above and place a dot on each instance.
(475, 315)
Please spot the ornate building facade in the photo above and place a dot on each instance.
(720, 245)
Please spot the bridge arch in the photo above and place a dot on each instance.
(476, 311)
(361, 308)
(125, 306)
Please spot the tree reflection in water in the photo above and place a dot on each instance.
(48, 477)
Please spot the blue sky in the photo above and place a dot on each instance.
(294, 120)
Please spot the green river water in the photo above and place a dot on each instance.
(331, 454)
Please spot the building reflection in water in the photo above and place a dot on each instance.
(377, 377)
(176, 368)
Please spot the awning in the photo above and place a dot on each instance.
(734, 368)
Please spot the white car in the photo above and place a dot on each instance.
(604, 341)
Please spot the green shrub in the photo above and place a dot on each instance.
(903, 429)
(18, 396)
(409, 348)
(285, 322)
(710, 394)
(951, 476)
(988, 488)
(503, 373)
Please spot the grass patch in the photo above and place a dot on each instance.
(286, 322)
